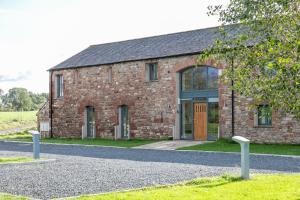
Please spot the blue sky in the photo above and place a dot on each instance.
(35, 35)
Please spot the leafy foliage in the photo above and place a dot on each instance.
(19, 99)
(263, 58)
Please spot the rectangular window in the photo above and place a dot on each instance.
(264, 113)
(109, 73)
(151, 69)
(59, 86)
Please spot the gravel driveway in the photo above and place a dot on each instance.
(80, 170)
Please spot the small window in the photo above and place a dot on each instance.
(151, 69)
(109, 74)
(59, 86)
(264, 113)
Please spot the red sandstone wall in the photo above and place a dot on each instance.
(152, 105)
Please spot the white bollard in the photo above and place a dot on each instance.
(245, 161)
(36, 144)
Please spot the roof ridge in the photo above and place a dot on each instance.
(157, 46)
(154, 36)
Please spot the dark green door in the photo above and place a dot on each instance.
(124, 122)
(90, 114)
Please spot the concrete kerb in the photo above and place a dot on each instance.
(84, 145)
(222, 152)
(238, 153)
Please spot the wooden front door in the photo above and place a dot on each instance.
(200, 121)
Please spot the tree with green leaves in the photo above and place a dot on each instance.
(19, 99)
(263, 58)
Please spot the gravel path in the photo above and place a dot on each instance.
(86, 170)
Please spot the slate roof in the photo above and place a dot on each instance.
(175, 44)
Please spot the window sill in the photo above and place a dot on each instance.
(263, 126)
(150, 81)
(59, 98)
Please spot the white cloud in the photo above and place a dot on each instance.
(15, 77)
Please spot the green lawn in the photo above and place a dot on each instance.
(260, 187)
(25, 137)
(231, 146)
(22, 136)
(10, 120)
(15, 160)
(11, 197)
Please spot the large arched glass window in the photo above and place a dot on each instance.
(200, 78)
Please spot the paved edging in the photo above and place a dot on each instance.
(238, 153)
(222, 152)
(83, 145)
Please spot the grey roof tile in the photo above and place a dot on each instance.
(168, 45)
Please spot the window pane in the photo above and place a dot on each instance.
(152, 71)
(213, 120)
(187, 114)
(200, 78)
(187, 77)
(59, 86)
(264, 115)
(212, 78)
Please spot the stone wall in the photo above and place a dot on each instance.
(152, 105)
(43, 116)
(285, 129)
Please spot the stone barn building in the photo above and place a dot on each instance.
(154, 88)
(43, 120)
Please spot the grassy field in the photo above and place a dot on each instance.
(24, 136)
(10, 120)
(15, 160)
(259, 187)
(231, 146)
(11, 197)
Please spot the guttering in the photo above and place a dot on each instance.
(126, 61)
(232, 101)
(50, 106)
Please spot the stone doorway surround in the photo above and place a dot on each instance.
(169, 145)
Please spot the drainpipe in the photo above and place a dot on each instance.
(232, 100)
(50, 102)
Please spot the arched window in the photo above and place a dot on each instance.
(200, 78)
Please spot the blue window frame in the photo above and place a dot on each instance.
(199, 78)
(199, 84)
(152, 71)
(199, 81)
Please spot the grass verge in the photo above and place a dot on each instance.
(15, 160)
(226, 188)
(11, 197)
(26, 137)
(10, 120)
(223, 145)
